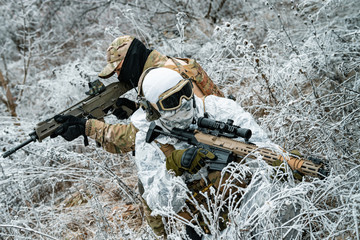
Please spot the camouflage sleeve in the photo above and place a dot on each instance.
(114, 138)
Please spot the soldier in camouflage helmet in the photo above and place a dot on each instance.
(166, 164)
(129, 58)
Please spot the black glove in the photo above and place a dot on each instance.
(125, 108)
(71, 128)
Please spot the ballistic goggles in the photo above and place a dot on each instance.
(172, 98)
(169, 100)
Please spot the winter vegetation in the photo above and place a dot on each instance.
(293, 64)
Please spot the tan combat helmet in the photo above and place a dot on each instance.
(115, 55)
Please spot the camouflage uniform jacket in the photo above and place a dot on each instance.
(121, 138)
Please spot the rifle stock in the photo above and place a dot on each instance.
(95, 106)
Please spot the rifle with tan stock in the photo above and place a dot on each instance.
(216, 137)
(100, 101)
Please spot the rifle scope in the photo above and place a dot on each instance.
(223, 127)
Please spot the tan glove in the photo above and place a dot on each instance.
(191, 160)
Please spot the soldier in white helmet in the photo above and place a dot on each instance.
(166, 97)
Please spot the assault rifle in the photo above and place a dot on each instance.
(100, 101)
(216, 137)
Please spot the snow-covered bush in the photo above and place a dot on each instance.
(293, 64)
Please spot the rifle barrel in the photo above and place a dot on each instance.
(11, 151)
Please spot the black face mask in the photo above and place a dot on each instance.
(134, 63)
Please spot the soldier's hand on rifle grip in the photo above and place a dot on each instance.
(190, 160)
(125, 108)
(72, 127)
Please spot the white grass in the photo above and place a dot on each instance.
(293, 64)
